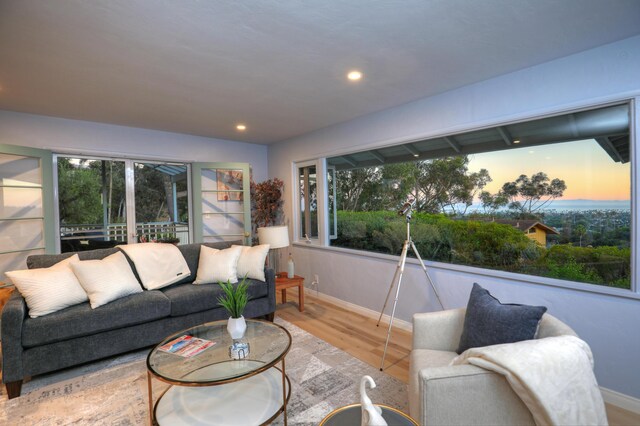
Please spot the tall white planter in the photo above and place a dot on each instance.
(236, 327)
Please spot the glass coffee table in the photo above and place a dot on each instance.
(210, 388)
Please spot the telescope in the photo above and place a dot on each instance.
(406, 207)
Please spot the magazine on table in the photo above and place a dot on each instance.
(187, 346)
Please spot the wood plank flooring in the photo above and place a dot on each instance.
(359, 336)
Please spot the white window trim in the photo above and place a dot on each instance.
(634, 291)
(297, 219)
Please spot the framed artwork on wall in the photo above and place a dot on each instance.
(229, 185)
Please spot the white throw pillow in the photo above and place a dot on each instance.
(218, 265)
(251, 261)
(158, 265)
(106, 280)
(48, 290)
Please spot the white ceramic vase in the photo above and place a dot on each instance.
(236, 327)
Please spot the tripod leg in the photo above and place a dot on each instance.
(393, 282)
(403, 259)
(424, 268)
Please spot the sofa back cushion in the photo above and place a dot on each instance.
(47, 260)
(191, 253)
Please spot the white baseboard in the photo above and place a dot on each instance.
(621, 400)
(401, 324)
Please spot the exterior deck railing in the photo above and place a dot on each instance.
(147, 231)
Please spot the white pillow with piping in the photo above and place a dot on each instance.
(106, 280)
(47, 290)
(218, 265)
(251, 261)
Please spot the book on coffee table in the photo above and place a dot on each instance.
(187, 346)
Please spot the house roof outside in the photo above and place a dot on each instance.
(526, 224)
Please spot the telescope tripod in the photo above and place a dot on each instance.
(398, 274)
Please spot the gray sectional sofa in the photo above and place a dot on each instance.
(79, 334)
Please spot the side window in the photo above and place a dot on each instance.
(308, 202)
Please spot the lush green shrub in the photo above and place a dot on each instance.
(483, 244)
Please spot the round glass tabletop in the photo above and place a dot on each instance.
(268, 344)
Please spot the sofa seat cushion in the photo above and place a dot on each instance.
(81, 320)
(190, 298)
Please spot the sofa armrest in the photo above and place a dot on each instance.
(13, 315)
(270, 276)
(466, 394)
(439, 331)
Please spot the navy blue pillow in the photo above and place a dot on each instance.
(489, 322)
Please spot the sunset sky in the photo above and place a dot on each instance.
(586, 168)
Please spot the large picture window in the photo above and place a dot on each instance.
(548, 197)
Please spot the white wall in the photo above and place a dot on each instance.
(610, 324)
(58, 134)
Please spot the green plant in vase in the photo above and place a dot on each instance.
(234, 299)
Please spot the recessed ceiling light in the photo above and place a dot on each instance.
(516, 141)
(241, 127)
(354, 75)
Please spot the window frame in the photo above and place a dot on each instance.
(634, 121)
(129, 169)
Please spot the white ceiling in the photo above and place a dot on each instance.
(200, 67)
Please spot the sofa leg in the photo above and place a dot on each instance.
(271, 316)
(14, 389)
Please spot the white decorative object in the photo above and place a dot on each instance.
(106, 280)
(158, 265)
(277, 237)
(239, 350)
(371, 414)
(251, 261)
(290, 267)
(236, 327)
(218, 265)
(48, 290)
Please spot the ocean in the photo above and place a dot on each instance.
(575, 205)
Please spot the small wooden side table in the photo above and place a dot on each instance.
(283, 283)
(5, 293)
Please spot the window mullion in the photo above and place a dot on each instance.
(132, 232)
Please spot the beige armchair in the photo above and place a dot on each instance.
(461, 394)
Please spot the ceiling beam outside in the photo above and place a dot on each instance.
(349, 160)
(506, 137)
(452, 142)
(605, 143)
(411, 149)
(377, 156)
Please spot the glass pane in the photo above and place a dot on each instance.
(545, 204)
(211, 203)
(214, 224)
(20, 171)
(92, 203)
(20, 202)
(331, 194)
(227, 181)
(21, 234)
(162, 202)
(308, 202)
(15, 261)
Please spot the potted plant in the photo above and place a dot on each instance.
(234, 299)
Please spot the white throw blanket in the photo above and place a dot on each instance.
(553, 377)
(158, 265)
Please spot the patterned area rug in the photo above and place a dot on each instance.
(114, 391)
